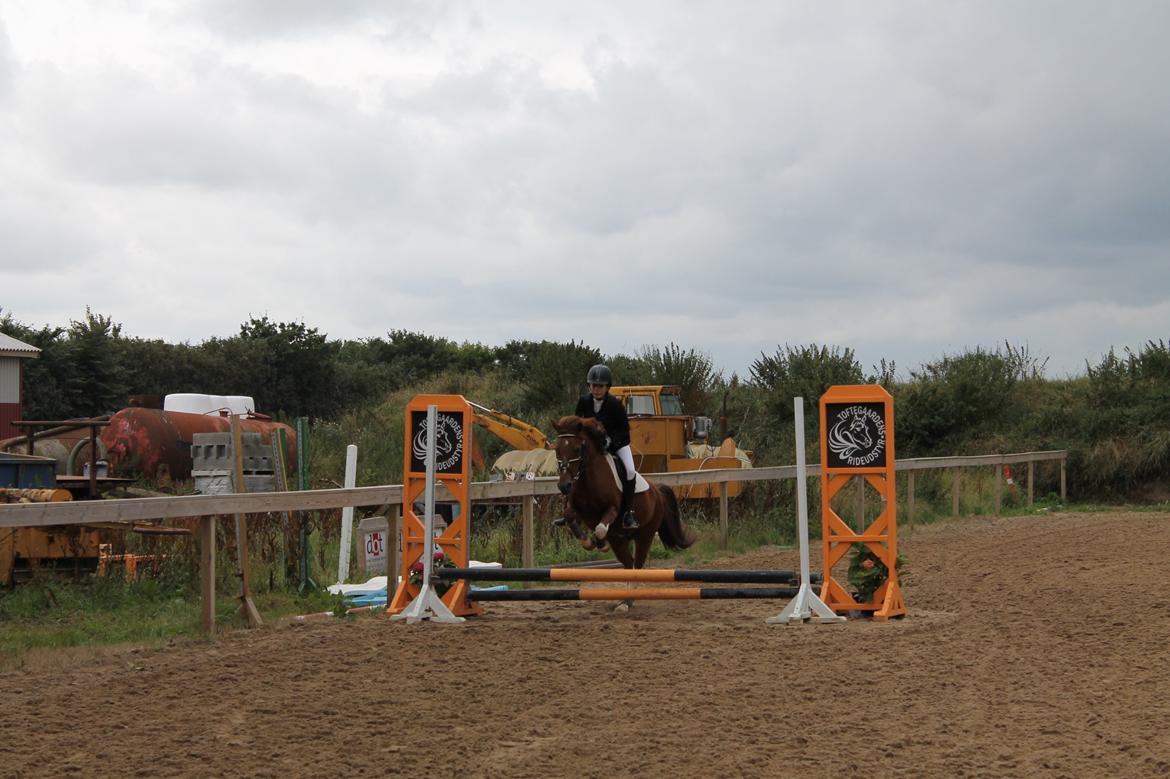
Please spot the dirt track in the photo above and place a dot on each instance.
(1034, 646)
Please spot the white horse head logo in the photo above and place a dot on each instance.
(850, 436)
(444, 441)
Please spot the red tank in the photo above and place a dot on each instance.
(148, 441)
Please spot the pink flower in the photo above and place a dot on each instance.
(438, 556)
(417, 567)
(867, 564)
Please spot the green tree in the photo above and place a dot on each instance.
(290, 366)
(1129, 395)
(689, 369)
(156, 367)
(953, 397)
(629, 371)
(99, 379)
(554, 373)
(805, 372)
(413, 357)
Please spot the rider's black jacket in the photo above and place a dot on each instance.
(612, 415)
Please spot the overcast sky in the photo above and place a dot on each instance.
(908, 179)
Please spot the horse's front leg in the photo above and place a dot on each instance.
(572, 521)
(602, 527)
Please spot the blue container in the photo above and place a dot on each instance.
(27, 472)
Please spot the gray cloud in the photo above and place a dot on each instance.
(907, 179)
(6, 65)
(277, 19)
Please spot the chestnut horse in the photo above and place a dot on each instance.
(593, 497)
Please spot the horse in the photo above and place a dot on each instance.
(594, 497)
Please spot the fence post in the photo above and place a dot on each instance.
(723, 515)
(910, 499)
(955, 494)
(207, 572)
(528, 552)
(302, 428)
(394, 544)
(1063, 495)
(243, 558)
(998, 479)
(1031, 480)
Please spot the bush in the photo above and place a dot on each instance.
(956, 396)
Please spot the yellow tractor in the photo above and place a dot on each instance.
(663, 440)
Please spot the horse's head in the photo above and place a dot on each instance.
(847, 438)
(444, 443)
(577, 439)
(860, 431)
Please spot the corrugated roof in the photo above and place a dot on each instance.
(10, 347)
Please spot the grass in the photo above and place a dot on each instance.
(48, 614)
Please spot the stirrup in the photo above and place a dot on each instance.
(629, 521)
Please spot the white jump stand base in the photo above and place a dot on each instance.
(806, 606)
(427, 605)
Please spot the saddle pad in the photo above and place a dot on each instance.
(640, 484)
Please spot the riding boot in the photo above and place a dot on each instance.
(629, 521)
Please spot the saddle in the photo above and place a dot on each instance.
(640, 484)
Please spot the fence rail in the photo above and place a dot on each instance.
(209, 507)
(139, 509)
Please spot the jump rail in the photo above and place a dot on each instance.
(619, 575)
(649, 593)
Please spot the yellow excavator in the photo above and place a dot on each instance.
(531, 450)
(662, 437)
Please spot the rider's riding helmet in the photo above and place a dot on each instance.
(600, 374)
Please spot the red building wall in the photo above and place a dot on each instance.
(9, 412)
(11, 402)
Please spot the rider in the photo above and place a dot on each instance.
(609, 410)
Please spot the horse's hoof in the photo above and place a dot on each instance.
(621, 608)
(601, 530)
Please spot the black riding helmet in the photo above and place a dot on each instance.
(600, 374)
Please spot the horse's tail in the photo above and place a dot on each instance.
(674, 536)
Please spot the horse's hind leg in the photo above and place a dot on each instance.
(621, 550)
(642, 548)
(642, 544)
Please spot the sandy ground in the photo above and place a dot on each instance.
(1034, 647)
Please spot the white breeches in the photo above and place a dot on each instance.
(627, 457)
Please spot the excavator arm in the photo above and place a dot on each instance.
(514, 432)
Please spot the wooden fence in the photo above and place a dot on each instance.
(209, 507)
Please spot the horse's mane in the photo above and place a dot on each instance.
(593, 430)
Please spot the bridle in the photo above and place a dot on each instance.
(563, 465)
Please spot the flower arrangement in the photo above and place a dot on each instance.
(439, 560)
(867, 572)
